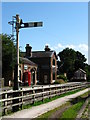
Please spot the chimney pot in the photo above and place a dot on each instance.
(47, 48)
(28, 50)
(27, 45)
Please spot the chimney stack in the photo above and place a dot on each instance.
(28, 50)
(47, 48)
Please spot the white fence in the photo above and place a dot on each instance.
(34, 94)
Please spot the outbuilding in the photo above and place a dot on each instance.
(79, 75)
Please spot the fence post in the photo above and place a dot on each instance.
(55, 89)
(15, 101)
(33, 95)
(5, 104)
(72, 87)
(42, 94)
(65, 89)
(61, 90)
(76, 87)
(22, 99)
(49, 92)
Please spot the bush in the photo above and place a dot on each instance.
(88, 80)
(59, 81)
(62, 77)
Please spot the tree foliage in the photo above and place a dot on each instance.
(79, 61)
(87, 69)
(8, 55)
(70, 61)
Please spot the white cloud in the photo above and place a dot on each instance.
(80, 47)
(83, 47)
(60, 46)
(52, 48)
(70, 46)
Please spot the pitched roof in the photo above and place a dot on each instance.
(80, 70)
(40, 54)
(27, 61)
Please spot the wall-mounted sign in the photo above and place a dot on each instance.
(25, 67)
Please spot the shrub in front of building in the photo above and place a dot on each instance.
(59, 81)
(62, 77)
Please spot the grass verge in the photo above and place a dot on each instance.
(51, 99)
(71, 113)
(46, 115)
(86, 112)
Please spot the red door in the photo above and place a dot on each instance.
(29, 78)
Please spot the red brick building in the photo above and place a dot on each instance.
(46, 61)
(28, 65)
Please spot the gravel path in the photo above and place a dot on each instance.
(38, 110)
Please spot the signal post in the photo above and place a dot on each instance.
(19, 25)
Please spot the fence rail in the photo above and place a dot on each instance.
(34, 94)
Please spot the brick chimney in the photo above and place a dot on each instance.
(28, 50)
(47, 48)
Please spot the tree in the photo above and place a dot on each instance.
(80, 61)
(70, 61)
(8, 57)
(87, 69)
(67, 57)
